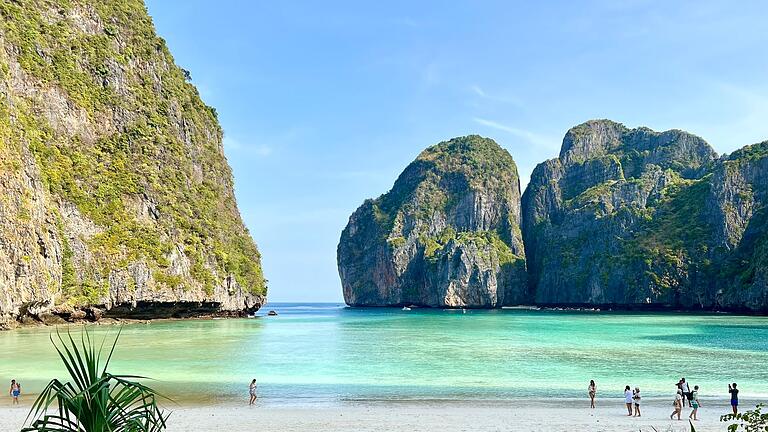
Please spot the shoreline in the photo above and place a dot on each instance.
(30, 322)
(124, 313)
(596, 308)
(113, 321)
(424, 415)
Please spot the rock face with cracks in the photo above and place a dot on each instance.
(636, 217)
(115, 195)
(446, 235)
(628, 218)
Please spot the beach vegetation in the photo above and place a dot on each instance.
(748, 421)
(94, 400)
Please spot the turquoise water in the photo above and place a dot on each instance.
(328, 353)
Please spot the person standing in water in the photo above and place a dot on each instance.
(734, 397)
(694, 402)
(15, 391)
(628, 400)
(592, 390)
(252, 392)
(636, 399)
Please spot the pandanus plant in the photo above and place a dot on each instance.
(94, 400)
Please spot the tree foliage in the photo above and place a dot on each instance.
(94, 400)
(748, 421)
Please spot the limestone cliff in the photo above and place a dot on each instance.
(735, 256)
(446, 235)
(115, 195)
(637, 217)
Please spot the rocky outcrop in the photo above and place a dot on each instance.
(446, 235)
(736, 207)
(115, 194)
(582, 210)
(633, 217)
(628, 218)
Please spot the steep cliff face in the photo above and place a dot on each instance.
(737, 252)
(624, 217)
(114, 189)
(446, 235)
(633, 216)
(582, 210)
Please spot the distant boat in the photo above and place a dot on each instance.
(272, 313)
(406, 308)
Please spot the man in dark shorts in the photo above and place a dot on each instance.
(686, 391)
(734, 397)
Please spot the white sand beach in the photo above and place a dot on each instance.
(566, 415)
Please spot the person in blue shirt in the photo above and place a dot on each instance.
(734, 397)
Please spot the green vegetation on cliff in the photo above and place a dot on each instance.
(617, 218)
(633, 216)
(442, 174)
(751, 152)
(673, 236)
(447, 234)
(142, 158)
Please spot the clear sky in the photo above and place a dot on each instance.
(323, 103)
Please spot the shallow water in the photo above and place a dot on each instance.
(320, 353)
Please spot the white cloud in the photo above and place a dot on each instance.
(529, 136)
(478, 91)
(506, 99)
(234, 145)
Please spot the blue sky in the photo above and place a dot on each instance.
(324, 103)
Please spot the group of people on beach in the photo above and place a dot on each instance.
(684, 395)
(632, 398)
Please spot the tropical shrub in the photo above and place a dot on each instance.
(748, 421)
(94, 400)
